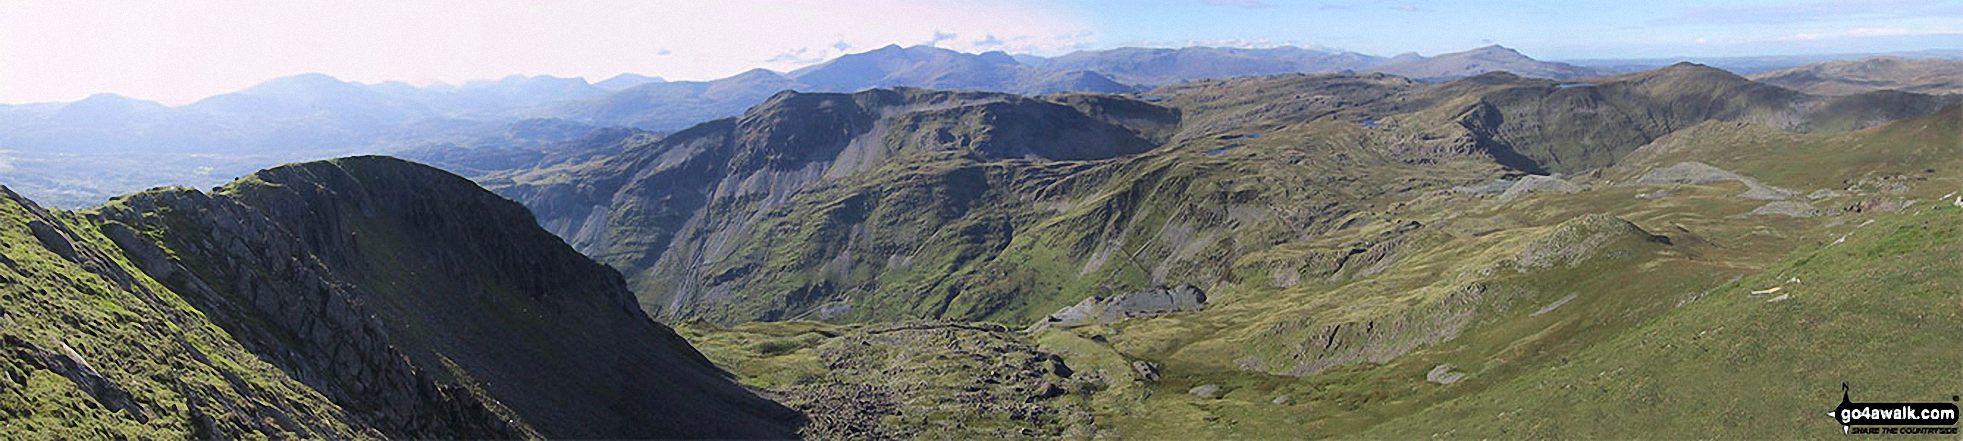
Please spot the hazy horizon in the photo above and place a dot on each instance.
(177, 54)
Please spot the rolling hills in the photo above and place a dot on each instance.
(1919, 75)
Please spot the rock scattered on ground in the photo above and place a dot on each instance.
(938, 380)
(1206, 391)
(1878, 204)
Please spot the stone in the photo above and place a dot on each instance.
(1146, 370)
(1443, 374)
(1151, 302)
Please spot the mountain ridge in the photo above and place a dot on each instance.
(353, 282)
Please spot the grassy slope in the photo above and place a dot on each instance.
(174, 363)
(1879, 311)
(1623, 315)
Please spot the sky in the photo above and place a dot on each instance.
(177, 52)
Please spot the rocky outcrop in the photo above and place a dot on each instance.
(1147, 303)
(69, 364)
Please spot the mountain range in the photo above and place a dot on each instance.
(79, 154)
(314, 116)
(1222, 244)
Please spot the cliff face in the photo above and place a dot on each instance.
(93, 347)
(423, 306)
(687, 217)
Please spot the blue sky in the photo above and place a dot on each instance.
(177, 52)
(1544, 29)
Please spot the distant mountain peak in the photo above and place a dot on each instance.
(998, 57)
(306, 83)
(107, 97)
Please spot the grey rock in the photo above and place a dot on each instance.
(1147, 303)
(54, 240)
(1785, 208)
(1206, 391)
(1443, 374)
(69, 364)
(1538, 184)
(1146, 370)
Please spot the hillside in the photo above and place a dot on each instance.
(1667, 295)
(1918, 75)
(885, 205)
(341, 299)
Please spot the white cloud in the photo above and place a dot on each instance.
(176, 53)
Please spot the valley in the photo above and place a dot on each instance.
(917, 242)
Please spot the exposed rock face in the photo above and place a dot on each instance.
(431, 307)
(1152, 302)
(92, 348)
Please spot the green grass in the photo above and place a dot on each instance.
(1869, 312)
